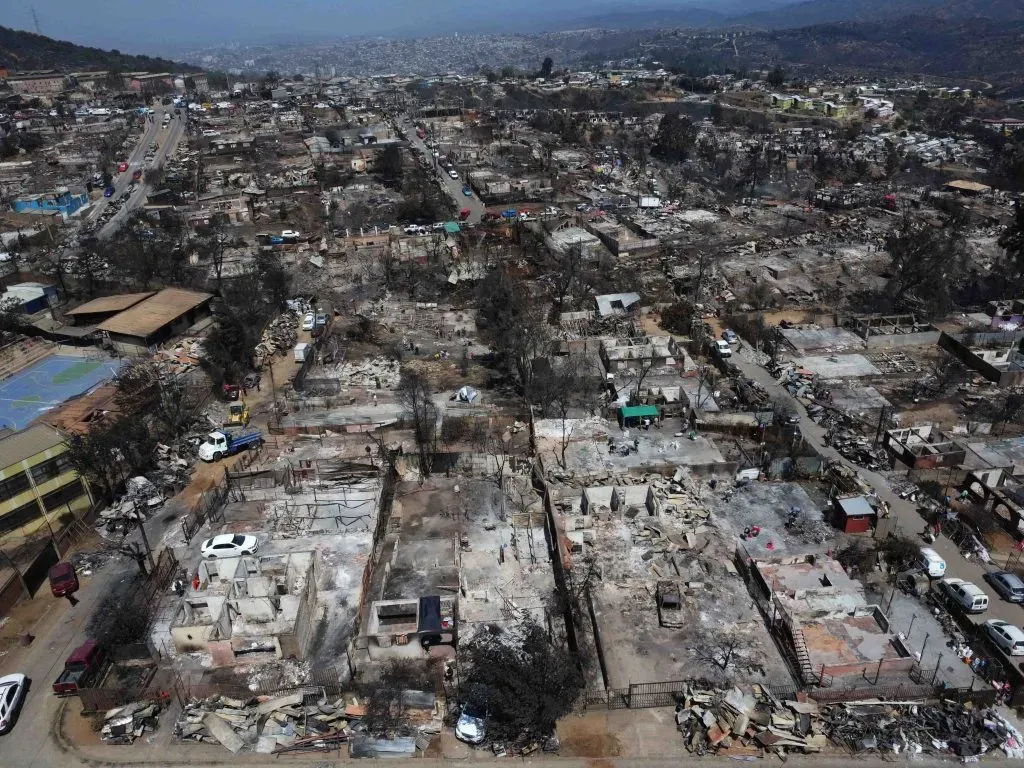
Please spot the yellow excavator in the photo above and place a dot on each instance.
(238, 414)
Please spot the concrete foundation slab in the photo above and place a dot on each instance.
(838, 366)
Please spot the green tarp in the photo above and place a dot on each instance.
(638, 412)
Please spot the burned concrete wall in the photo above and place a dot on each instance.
(967, 349)
(295, 644)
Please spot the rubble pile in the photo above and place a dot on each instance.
(174, 462)
(375, 373)
(858, 449)
(267, 724)
(141, 497)
(913, 728)
(745, 724)
(756, 723)
(123, 725)
(278, 337)
(180, 358)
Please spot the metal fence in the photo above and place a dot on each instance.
(209, 506)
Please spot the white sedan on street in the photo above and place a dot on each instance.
(229, 545)
(12, 695)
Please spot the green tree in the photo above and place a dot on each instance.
(509, 316)
(390, 164)
(228, 347)
(546, 67)
(776, 77)
(675, 138)
(928, 264)
(519, 681)
(111, 452)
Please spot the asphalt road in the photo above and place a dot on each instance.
(60, 630)
(167, 140)
(909, 521)
(452, 186)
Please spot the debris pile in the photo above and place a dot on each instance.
(270, 725)
(180, 358)
(913, 728)
(374, 373)
(278, 338)
(123, 725)
(746, 724)
(756, 723)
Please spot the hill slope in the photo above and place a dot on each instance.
(814, 12)
(24, 50)
(980, 49)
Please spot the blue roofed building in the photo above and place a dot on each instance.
(62, 200)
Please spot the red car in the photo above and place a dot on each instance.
(63, 580)
(464, 214)
(121, 168)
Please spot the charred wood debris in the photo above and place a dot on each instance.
(756, 723)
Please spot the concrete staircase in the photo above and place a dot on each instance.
(21, 354)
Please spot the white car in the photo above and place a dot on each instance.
(229, 545)
(290, 233)
(12, 695)
(722, 348)
(308, 321)
(470, 729)
(1007, 636)
(453, 173)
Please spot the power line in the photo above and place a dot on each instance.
(35, 19)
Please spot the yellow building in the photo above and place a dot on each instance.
(38, 484)
(835, 110)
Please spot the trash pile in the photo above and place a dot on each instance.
(278, 338)
(123, 725)
(269, 725)
(756, 723)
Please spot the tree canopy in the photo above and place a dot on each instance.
(521, 680)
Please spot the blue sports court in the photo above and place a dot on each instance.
(48, 383)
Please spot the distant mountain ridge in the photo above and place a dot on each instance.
(21, 51)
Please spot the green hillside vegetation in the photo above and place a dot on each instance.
(21, 51)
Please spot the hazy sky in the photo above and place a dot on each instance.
(141, 26)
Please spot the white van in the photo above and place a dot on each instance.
(968, 596)
(931, 563)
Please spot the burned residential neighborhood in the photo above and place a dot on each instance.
(608, 408)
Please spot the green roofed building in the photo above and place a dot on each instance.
(633, 415)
